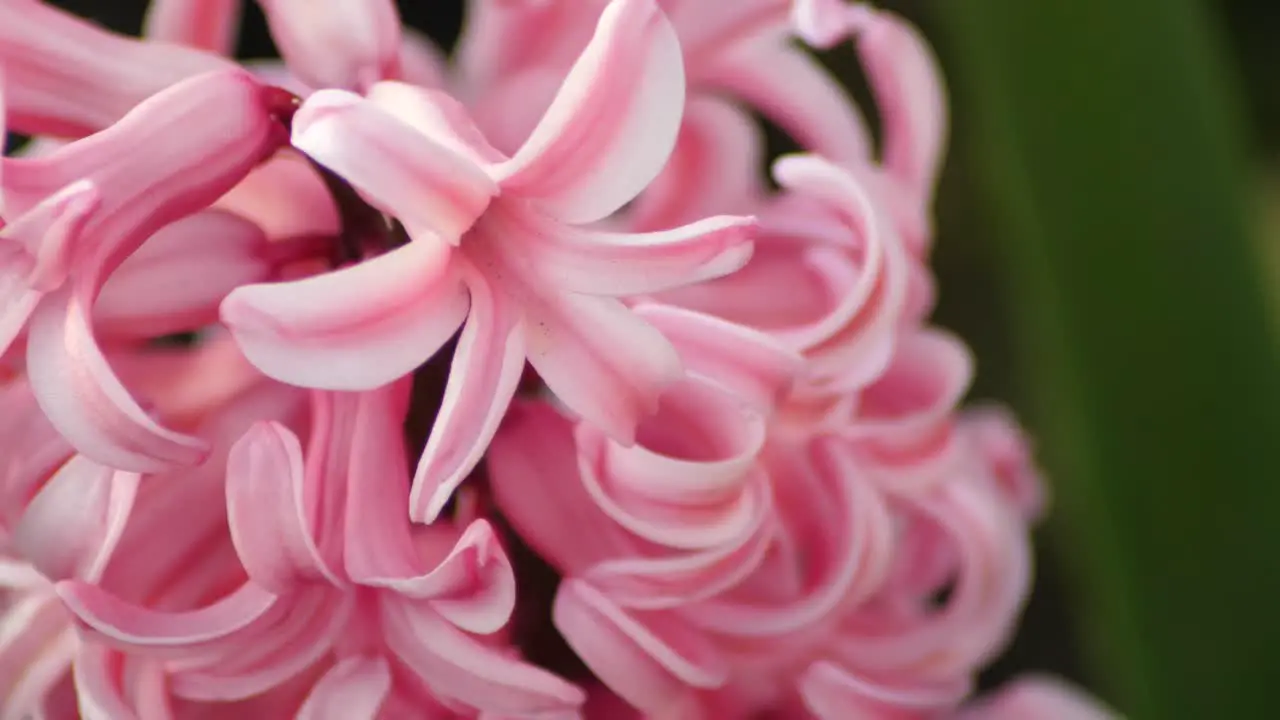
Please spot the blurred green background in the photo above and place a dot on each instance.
(1109, 243)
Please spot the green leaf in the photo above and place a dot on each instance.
(1109, 139)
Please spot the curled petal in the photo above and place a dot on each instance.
(346, 44)
(430, 187)
(615, 120)
(44, 451)
(1037, 697)
(904, 419)
(532, 467)
(269, 522)
(202, 24)
(203, 136)
(677, 579)
(355, 328)
(36, 649)
(599, 262)
(651, 660)
(909, 92)
(473, 586)
(854, 341)
(71, 526)
(37, 252)
(843, 532)
(688, 481)
(377, 544)
(86, 402)
(458, 666)
(246, 666)
(67, 77)
(179, 276)
(219, 627)
(746, 362)
(830, 692)
(602, 361)
(353, 689)
(1007, 452)
(796, 92)
(98, 675)
(990, 567)
(483, 378)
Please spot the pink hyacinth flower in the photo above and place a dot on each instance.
(338, 581)
(500, 246)
(83, 210)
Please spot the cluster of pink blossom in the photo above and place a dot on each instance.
(715, 407)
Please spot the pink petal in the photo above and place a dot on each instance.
(376, 541)
(99, 686)
(610, 129)
(37, 252)
(179, 276)
(355, 328)
(532, 467)
(793, 90)
(431, 188)
(851, 345)
(678, 579)
(203, 136)
(264, 658)
(599, 262)
(747, 362)
(458, 666)
(830, 692)
(64, 76)
(688, 481)
(353, 689)
(1042, 698)
(483, 377)
(602, 361)
(422, 63)
(202, 24)
(36, 648)
(506, 38)
(912, 402)
(44, 451)
(71, 526)
(265, 510)
(85, 401)
(714, 169)
(347, 44)
(991, 572)
(121, 624)
(847, 546)
(1007, 453)
(436, 115)
(286, 198)
(473, 587)
(654, 663)
(824, 23)
(909, 91)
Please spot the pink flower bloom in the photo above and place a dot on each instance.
(335, 575)
(81, 211)
(739, 445)
(502, 244)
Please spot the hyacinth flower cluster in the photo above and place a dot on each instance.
(540, 290)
